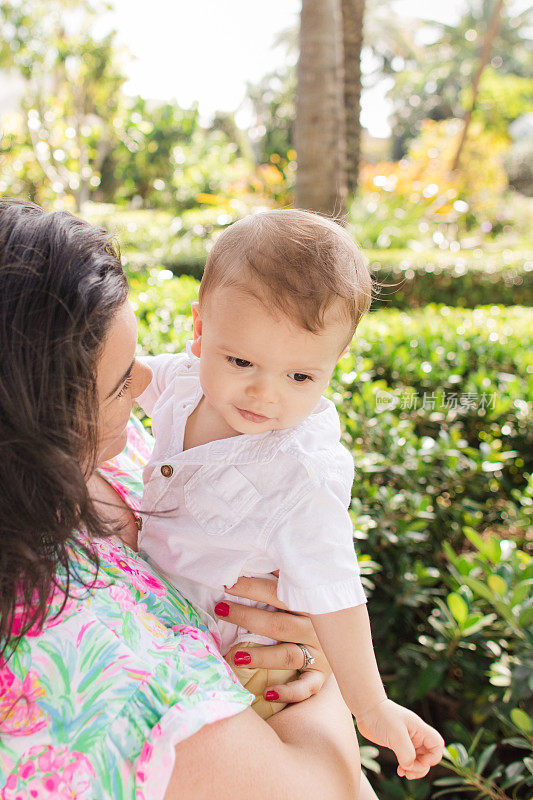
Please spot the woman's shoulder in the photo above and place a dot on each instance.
(94, 703)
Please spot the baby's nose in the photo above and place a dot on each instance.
(263, 390)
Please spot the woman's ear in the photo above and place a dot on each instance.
(196, 346)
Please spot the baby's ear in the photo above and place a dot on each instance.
(196, 346)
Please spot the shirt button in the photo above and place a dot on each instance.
(166, 470)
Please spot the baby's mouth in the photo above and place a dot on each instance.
(250, 416)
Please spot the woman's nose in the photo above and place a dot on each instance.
(140, 379)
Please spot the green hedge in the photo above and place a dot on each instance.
(466, 279)
(157, 239)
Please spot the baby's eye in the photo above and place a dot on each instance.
(239, 362)
(299, 377)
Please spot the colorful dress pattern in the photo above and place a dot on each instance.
(93, 704)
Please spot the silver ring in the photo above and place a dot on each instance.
(308, 658)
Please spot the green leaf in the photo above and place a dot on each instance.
(493, 549)
(521, 719)
(474, 537)
(458, 607)
(497, 584)
(479, 587)
(514, 769)
(479, 623)
(457, 753)
(521, 591)
(429, 677)
(485, 757)
(448, 549)
(484, 591)
(525, 618)
(514, 741)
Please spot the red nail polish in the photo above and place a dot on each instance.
(222, 609)
(271, 695)
(241, 657)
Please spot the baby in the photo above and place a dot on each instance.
(248, 463)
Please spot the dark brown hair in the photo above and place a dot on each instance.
(296, 262)
(61, 283)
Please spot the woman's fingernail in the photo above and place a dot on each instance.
(271, 695)
(222, 609)
(241, 657)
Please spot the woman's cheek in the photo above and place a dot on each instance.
(114, 434)
(117, 418)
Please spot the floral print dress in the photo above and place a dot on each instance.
(93, 704)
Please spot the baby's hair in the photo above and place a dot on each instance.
(295, 262)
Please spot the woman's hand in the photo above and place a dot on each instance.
(287, 628)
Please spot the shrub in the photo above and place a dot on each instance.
(466, 279)
(485, 627)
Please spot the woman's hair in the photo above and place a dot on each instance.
(61, 283)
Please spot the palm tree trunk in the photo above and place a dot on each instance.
(352, 33)
(319, 128)
(492, 31)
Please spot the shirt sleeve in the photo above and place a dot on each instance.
(313, 543)
(164, 368)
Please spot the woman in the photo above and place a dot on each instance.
(108, 679)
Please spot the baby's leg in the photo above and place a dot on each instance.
(258, 680)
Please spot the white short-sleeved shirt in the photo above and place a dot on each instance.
(247, 505)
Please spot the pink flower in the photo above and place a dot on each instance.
(51, 783)
(144, 581)
(20, 714)
(124, 598)
(146, 753)
(27, 770)
(140, 576)
(153, 583)
(50, 773)
(6, 678)
(21, 615)
(46, 760)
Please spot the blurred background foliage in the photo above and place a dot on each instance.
(436, 396)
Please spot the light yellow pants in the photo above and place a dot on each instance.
(258, 680)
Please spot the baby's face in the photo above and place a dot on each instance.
(261, 372)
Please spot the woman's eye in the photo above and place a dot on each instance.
(299, 377)
(125, 387)
(239, 362)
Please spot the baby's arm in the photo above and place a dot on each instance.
(164, 368)
(312, 542)
(347, 641)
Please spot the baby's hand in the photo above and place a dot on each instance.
(416, 744)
